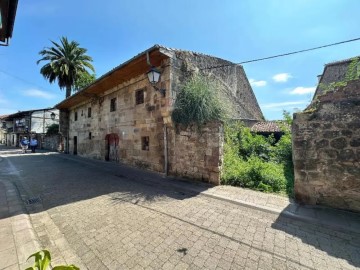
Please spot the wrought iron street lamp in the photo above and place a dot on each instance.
(154, 77)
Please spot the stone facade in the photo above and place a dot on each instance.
(326, 150)
(129, 121)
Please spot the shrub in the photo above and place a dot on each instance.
(254, 173)
(257, 162)
(199, 102)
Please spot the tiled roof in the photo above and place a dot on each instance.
(269, 126)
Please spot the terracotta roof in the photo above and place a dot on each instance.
(269, 126)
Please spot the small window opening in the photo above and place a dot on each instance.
(139, 96)
(113, 105)
(89, 112)
(145, 143)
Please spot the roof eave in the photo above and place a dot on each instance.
(62, 104)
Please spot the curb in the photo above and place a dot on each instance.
(284, 213)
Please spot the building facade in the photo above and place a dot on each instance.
(122, 117)
(25, 123)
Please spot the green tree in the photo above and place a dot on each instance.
(84, 79)
(65, 62)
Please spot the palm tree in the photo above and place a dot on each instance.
(66, 61)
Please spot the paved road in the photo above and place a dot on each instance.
(98, 217)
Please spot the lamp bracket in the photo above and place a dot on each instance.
(161, 90)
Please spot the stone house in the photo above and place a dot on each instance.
(122, 117)
(25, 123)
(270, 128)
(326, 143)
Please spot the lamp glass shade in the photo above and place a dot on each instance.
(52, 116)
(153, 75)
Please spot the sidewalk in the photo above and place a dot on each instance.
(18, 239)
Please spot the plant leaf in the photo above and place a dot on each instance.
(66, 267)
(42, 260)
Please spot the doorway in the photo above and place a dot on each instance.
(75, 145)
(112, 146)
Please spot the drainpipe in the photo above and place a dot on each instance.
(165, 151)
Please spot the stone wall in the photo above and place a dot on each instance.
(197, 155)
(326, 150)
(53, 143)
(235, 86)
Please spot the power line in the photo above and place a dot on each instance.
(284, 54)
(23, 80)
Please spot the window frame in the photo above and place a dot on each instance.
(140, 96)
(113, 104)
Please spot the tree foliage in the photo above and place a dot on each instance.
(83, 80)
(65, 61)
(53, 129)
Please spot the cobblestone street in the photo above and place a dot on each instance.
(95, 216)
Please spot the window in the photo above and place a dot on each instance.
(89, 112)
(75, 116)
(89, 135)
(139, 96)
(113, 105)
(145, 143)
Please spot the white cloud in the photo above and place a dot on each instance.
(302, 90)
(257, 83)
(38, 93)
(281, 105)
(282, 77)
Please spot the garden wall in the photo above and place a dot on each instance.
(196, 155)
(326, 150)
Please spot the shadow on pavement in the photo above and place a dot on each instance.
(56, 179)
(342, 243)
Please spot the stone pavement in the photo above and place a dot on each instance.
(118, 217)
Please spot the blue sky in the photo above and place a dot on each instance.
(114, 31)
